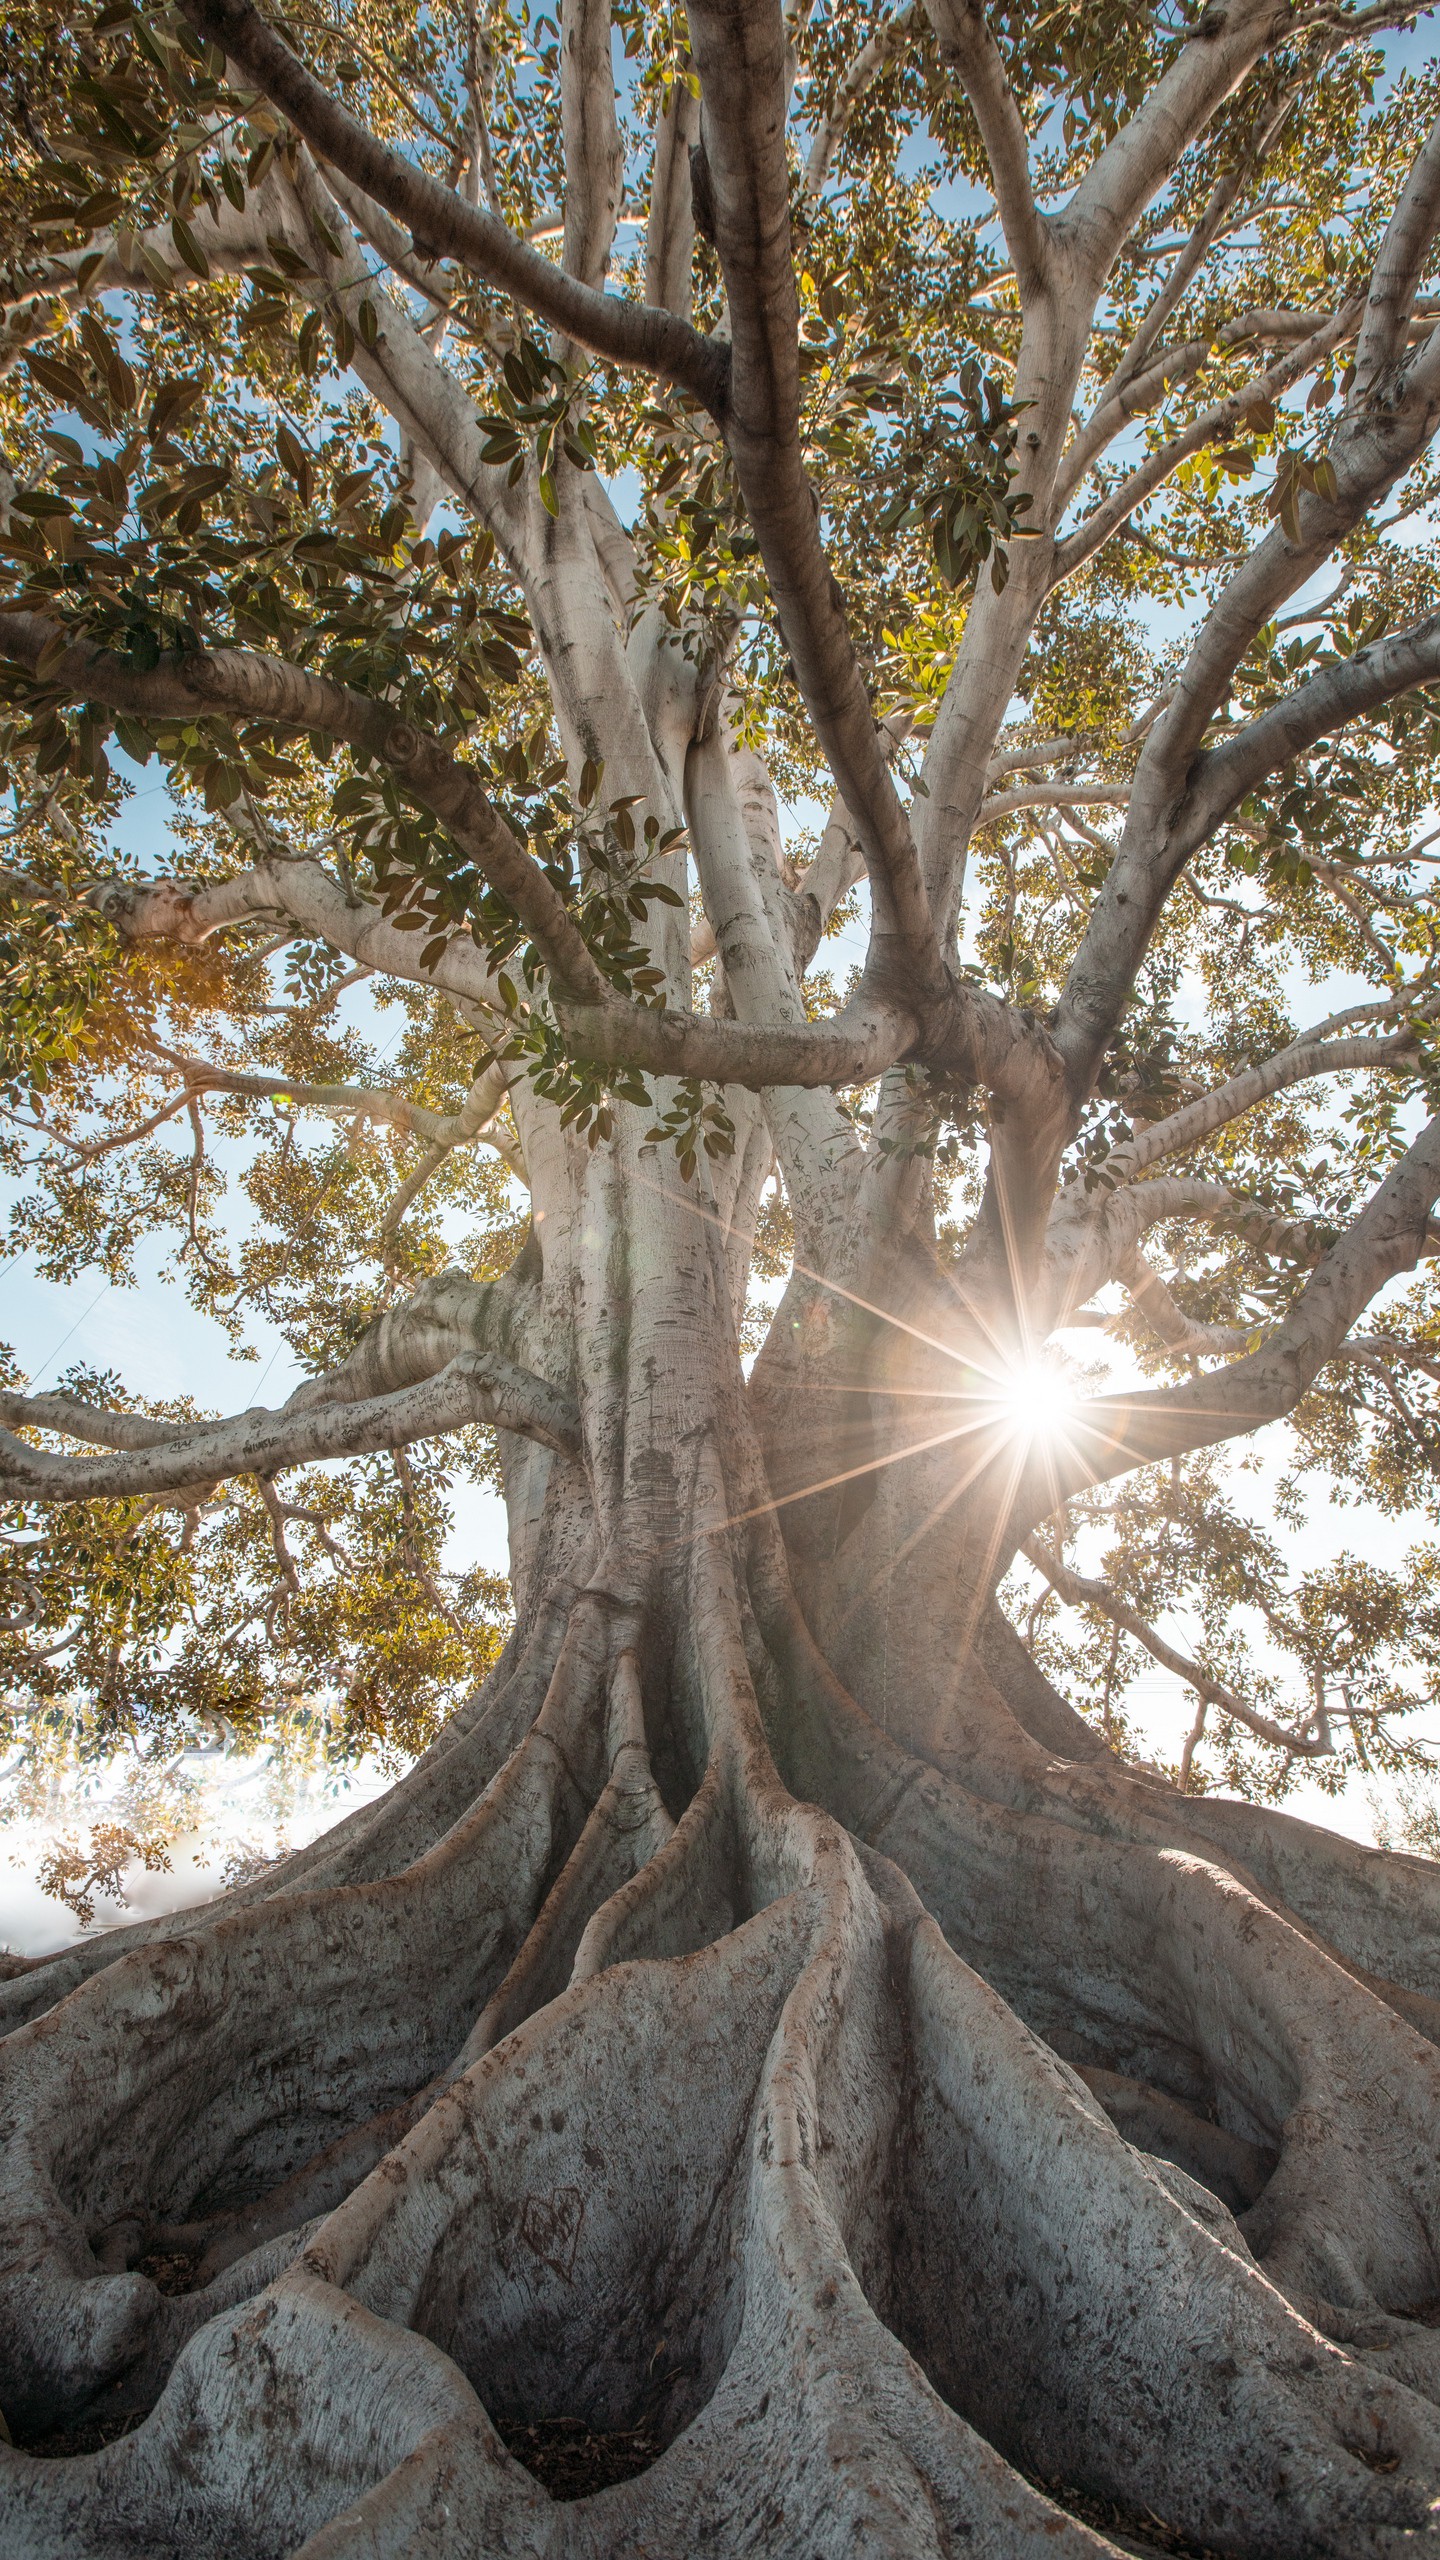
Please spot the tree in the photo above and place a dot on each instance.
(768, 2023)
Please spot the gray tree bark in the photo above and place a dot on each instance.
(767, 2023)
(764, 2018)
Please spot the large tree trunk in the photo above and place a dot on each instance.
(767, 2028)
(767, 2023)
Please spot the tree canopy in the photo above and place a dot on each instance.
(286, 430)
(795, 661)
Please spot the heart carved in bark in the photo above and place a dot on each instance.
(550, 2227)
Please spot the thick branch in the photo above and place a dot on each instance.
(1221, 47)
(442, 224)
(851, 1047)
(1151, 1298)
(373, 223)
(741, 57)
(759, 415)
(1398, 269)
(1330, 700)
(869, 1034)
(1296, 1065)
(82, 1421)
(1375, 443)
(400, 369)
(967, 44)
(1181, 794)
(670, 231)
(865, 67)
(1052, 795)
(1219, 420)
(594, 157)
(1187, 264)
(1115, 1433)
(446, 1130)
(475, 1387)
(358, 1102)
(1135, 388)
(1092, 1238)
(252, 686)
(743, 894)
(1141, 1206)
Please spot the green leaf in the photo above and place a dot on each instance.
(188, 246)
(222, 783)
(60, 378)
(173, 398)
(295, 461)
(51, 655)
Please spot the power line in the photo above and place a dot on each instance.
(74, 1329)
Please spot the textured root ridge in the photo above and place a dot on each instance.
(374, 1841)
(214, 2065)
(1154, 1963)
(1015, 1741)
(729, 2120)
(1145, 2358)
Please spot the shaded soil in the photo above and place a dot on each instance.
(1129, 2528)
(169, 2270)
(95, 2427)
(566, 2456)
(571, 2461)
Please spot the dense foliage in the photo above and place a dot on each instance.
(201, 457)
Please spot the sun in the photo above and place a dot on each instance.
(1034, 1399)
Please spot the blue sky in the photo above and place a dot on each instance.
(162, 1347)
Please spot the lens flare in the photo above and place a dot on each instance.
(1033, 1399)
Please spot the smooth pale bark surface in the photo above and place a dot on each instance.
(892, 2135)
(767, 2016)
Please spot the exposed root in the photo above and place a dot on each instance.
(391, 2415)
(375, 1840)
(687, 2267)
(1234, 2170)
(1153, 1963)
(625, 1831)
(1378, 1909)
(190, 2080)
(700, 2133)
